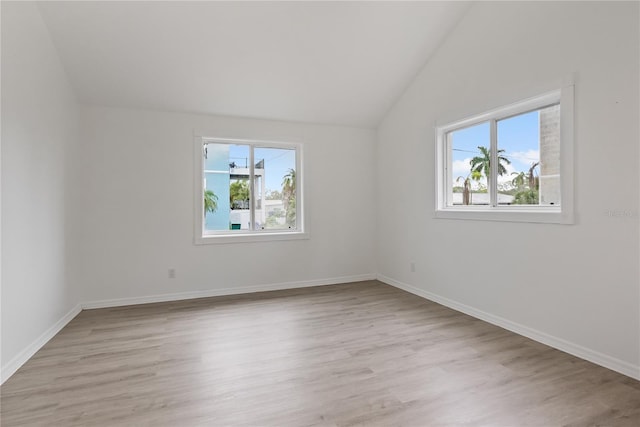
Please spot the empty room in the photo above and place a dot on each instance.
(320, 213)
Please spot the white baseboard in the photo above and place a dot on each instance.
(14, 364)
(224, 291)
(596, 357)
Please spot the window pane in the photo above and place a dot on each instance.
(275, 188)
(469, 168)
(529, 148)
(226, 183)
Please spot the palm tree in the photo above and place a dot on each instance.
(466, 190)
(210, 201)
(533, 180)
(527, 194)
(289, 184)
(482, 163)
(466, 186)
(289, 196)
(519, 179)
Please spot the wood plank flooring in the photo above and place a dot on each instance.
(354, 354)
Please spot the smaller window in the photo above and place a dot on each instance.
(530, 143)
(247, 191)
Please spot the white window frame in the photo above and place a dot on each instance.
(203, 237)
(562, 214)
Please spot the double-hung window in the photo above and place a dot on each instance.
(247, 191)
(510, 164)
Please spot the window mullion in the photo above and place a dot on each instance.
(252, 203)
(446, 179)
(299, 191)
(493, 179)
(201, 187)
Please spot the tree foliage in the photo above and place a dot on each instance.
(519, 180)
(533, 180)
(526, 197)
(239, 194)
(289, 196)
(210, 201)
(528, 187)
(482, 163)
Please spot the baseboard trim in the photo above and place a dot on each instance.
(593, 356)
(224, 291)
(14, 364)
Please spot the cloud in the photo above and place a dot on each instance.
(460, 168)
(525, 158)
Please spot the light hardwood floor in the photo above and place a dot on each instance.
(354, 354)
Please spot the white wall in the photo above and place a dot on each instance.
(137, 209)
(114, 213)
(39, 127)
(576, 286)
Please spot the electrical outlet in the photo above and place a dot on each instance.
(172, 273)
(412, 266)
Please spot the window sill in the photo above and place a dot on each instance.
(216, 239)
(537, 215)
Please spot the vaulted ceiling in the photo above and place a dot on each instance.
(320, 62)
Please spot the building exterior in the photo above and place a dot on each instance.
(550, 155)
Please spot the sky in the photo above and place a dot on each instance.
(277, 162)
(518, 136)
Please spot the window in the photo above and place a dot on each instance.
(247, 191)
(530, 143)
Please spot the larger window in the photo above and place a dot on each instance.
(247, 190)
(512, 163)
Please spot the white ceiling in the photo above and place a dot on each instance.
(320, 62)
